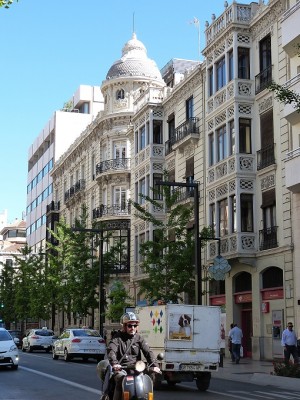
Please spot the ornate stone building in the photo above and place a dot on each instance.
(215, 123)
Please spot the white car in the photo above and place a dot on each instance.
(9, 353)
(79, 342)
(38, 339)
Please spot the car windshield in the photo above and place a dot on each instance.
(44, 333)
(85, 332)
(4, 336)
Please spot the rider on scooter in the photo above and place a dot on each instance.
(126, 347)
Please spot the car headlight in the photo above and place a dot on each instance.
(13, 347)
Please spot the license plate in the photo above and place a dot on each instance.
(190, 367)
(91, 351)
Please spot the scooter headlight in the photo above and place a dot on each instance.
(140, 366)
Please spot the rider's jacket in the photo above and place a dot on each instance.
(132, 347)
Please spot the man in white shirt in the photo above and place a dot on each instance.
(235, 335)
(289, 343)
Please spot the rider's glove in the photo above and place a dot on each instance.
(157, 370)
(117, 367)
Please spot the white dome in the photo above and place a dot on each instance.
(134, 62)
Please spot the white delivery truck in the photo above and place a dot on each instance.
(189, 337)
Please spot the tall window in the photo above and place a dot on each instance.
(157, 132)
(142, 190)
(231, 138)
(245, 135)
(157, 190)
(243, 63)
(119, 150)
(266, 129)
(212, 217)
(190, 108)
(211, 153)
(230, 66)
(221, 73)
(120, 197)
(246, 212)
(171, 127)
(142, 134)
(223, 217)
(232, 205)
(222, 143)
(210, 82)
(269, 208)
(265, 55)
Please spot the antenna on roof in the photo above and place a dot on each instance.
(133, 23)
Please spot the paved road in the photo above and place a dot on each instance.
(40, 377)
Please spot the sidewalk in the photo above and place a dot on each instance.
(257, 372)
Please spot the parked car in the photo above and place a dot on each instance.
(38, 339)
(79, 342)
(17, 336)
(9, 354)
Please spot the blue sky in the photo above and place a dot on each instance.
(50, 47)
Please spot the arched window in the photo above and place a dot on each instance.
(272, 277)
(243, 282)
(120, 94)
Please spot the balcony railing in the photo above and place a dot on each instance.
(78, 187)
(189, 127)
(115, 209)
(268, 238)
(183, 193)
(263, 79)
(117, 164)
(53, 206)
(265, 157)
(119, 268)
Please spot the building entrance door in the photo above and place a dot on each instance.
(246, 327)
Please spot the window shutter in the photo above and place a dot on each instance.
(189, 170)
(268, 198)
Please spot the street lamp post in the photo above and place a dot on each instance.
(195, 186)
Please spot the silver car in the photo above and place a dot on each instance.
(9, 354)
(79, 342)
(38, 339)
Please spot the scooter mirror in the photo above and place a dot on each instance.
(160, 356)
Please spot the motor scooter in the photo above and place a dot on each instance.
(137, 384)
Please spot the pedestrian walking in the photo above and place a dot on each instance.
(235, 335)
(230, 343)
(289, 343)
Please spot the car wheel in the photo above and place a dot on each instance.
(66, 355)
(203, 381)
(54, 356)
(14, 367)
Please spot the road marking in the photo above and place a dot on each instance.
(55, 378)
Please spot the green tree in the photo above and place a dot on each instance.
(285, 95)
(6, 3)
(7, 293)
(168, 259)
(73, 272)
(118, 300)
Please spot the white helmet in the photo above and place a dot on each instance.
(129, 317)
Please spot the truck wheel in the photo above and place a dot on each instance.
(203, 381)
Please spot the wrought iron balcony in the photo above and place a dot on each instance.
(265, 157)
(187, 128)
(78, 187)
(53, 207)
(123, 268)
(115, 209)
(117, 164)
(183, 193)
(268, 238)
(263, 79)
